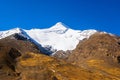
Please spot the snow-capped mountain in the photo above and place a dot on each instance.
(57, 37)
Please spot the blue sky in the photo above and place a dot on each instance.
(102, 15)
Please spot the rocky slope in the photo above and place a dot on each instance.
(99, 53)
(99, 45)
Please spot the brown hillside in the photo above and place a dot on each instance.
(99, 53)
(30, 66)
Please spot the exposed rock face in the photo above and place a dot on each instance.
(8, 62)
(19, 37)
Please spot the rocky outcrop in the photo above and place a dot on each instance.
(19, 36)
(8, 62)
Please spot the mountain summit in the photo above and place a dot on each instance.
(59, 25)
(59, 28)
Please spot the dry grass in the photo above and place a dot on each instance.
(44, 67)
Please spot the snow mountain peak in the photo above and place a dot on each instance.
(18, 29)
(59, 28)
(57, 37)
(61, 25)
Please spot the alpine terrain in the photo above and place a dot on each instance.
(59, 53)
